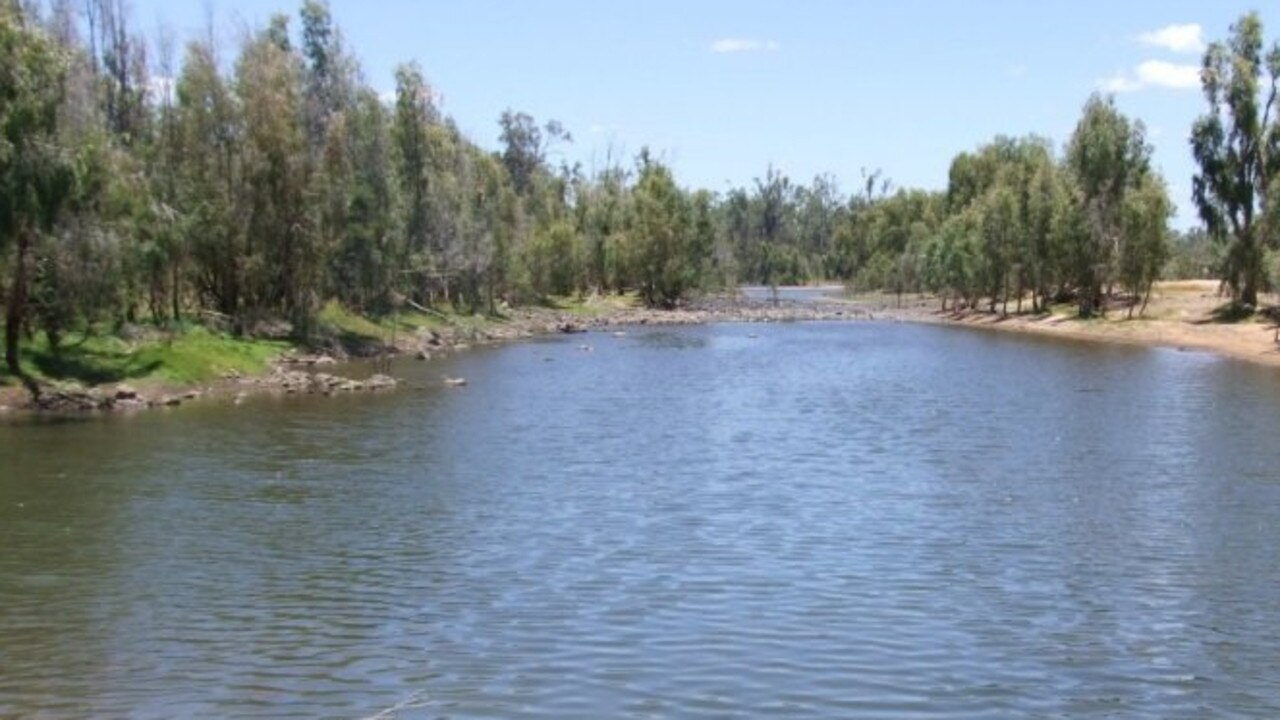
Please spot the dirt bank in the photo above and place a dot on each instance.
(1183, 314)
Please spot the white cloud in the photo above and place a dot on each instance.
(1153, 73)
(1169, 75)
(1119, 84)
(738, 45)
(1176, 38)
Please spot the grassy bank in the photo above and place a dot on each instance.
(193, 354)
(181, 356)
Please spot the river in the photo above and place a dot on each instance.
(807, 520)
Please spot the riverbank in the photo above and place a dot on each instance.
(151, 368)
(1186, 314)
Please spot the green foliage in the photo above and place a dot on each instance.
(37, 177)
(1108, 158)
(1237, 147)
(1144, 220)
(668, 254)
(552, 259)
(275, 188)
(1193, 255)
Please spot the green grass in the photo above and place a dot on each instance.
(351, 328)
(595, 305)
(190, 355)
(194, 354)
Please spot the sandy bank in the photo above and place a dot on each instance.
(1181, 314)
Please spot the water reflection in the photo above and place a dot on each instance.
(823, 520)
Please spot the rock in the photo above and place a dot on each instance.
(619, 334)
(585, 348)
(171, 401)
(71, 398)
(423, 355)
(191, 395)
(570, 328)
(455, 382)
(124, 392)
(379, 382)
(308, 360)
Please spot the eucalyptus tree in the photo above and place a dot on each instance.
(1145, 221)
(365, 261)
(210, 187)
(1108, 155)
(330, 71)
(998, 209)
(1042, 259)
(413, 113)
(668, 252)
(36, 174)
(1237, 147)
(525, 146)
(775, 203)
(819, 211)
(283, 255)
(330, 85)
(601, 202)
(119, 59)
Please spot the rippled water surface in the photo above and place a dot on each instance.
(771, 521)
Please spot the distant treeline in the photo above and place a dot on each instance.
(142, 182)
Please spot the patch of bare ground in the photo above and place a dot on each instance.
(1188, 314)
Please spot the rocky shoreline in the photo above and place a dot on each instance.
(319, 373)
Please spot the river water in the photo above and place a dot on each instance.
(810, 520)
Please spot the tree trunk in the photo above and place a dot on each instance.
(1249, 295)
(177, 317)
(15, 315)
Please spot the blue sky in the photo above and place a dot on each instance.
(723, 89)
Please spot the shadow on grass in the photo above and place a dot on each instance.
(91, 367)
(1228, 314)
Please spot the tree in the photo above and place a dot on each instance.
(284, 257)
(36, 175)
(525, 146)
(364, 263)
(1108, 155)
(210, 184)
(1144, 217)
(413, 113)
(668, 252)
(1237, 147)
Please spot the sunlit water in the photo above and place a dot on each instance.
(828, 520)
